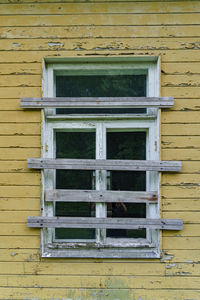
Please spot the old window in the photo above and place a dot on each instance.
(97, 146)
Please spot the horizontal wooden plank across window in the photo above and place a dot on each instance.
(89, 102)
(100, 196)
(115, 223)
(103, 164)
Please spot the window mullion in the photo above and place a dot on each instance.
(101, 209)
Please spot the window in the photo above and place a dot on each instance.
(98, 194)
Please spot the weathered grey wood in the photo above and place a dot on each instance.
(117, 223)
(100, 196)
(59, 117)
(103, 102)
(102, 164)
(100, 251)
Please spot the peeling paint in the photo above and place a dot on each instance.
(55, 44)
(16, 44)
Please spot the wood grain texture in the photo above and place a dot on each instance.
(102, 164)
(116, 223)
(97, 102)
(33, 29)
(100, 196)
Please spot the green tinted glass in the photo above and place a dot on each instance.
(101, 86)
(75, 145)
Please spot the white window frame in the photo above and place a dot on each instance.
(150, 248)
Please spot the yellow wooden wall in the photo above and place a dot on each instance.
(33, 29)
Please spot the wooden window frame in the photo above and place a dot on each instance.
(149, 247)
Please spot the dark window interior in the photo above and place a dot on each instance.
(75, 145)
(101, 86)
(127, 145)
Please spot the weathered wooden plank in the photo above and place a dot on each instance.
(101, 164)
(99, 19)
(169, 204)
(180, 179)
(105, 267)
(60, 117)
(16, 216)
(81, 8)
(18, 179)
(17, 230)
(16, 204)
(101, 293)
(190, 230)
(95, 281)
(20, 80)
(189, 217)
(19, 191)
(19, 129)
(26, 242)
(32, 56)
(180, 80)
(185, 92)
(17, 92)
(184, 68)
(184, 117)
(180, 129)
(97, 102)
(187, 142)
(15, 153)
(100, 196)
(181, 243)
(132, 31)
(20, 116)
(20, 141)
(10, 256)
(14, 166)
(181, 191)
(120, 223)
(20, 69)
(89, 43)
(184, 155)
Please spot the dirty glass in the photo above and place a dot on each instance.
(127, 145)
(75, 145)
(101, 86)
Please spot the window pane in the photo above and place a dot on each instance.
(101, 86)
(75, 145)
(126, 210)
(127, 145)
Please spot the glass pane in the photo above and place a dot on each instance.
(126, 210)
(101, 86)
(127, 145)
(75, 145)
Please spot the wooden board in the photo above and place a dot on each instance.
(81, 8)
(97, 19)
(120, 223)
(100, 196)
(97, 102)
(101, 164)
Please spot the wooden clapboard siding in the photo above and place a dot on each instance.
(33, 29)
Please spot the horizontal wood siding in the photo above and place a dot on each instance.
(33, 29)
